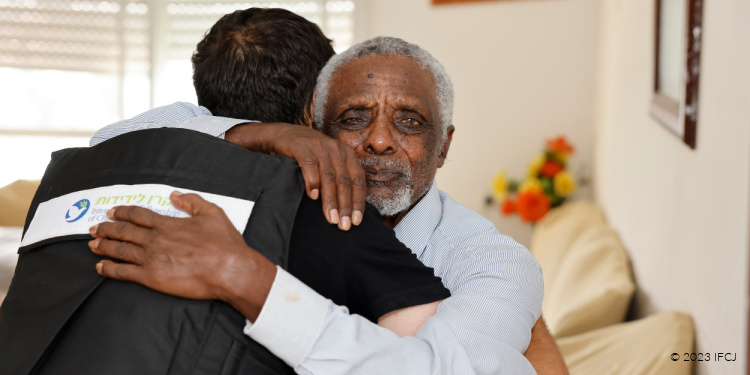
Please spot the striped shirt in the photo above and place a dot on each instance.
(177, 115)
(483, 328)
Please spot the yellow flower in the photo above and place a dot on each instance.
(535, 165)
(564, 184)
(500, 186)
(529, 185)
(559, 156)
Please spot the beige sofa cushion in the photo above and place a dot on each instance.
(10, 238)
(15, 200)
(640, 347)
(554, 234)
(592, 287)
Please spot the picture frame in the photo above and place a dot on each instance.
(677, 50)
(441, 2)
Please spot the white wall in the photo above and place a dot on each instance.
(523, 72)
(25, 157)
(682, 214)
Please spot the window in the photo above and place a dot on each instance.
(69, 67)
(78, 65)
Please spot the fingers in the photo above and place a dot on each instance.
(343, 186)
(119, 271)
(137, 215)
(121, 231)
(193, 204)
(359, 188)
(311, 174)
(343, 189)
(124, 251)
(328, 189)
(331, 171)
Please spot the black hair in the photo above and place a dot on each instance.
(260, 64)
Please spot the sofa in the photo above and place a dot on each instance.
(15, 200)
(588, 289)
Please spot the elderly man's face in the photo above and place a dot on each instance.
(385, 107)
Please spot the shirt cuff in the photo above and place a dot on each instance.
(291, 319)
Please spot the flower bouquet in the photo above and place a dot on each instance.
(546, 186)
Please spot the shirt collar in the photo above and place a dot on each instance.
(417, 227)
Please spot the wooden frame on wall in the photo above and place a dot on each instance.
(677, 66)
(440, 2)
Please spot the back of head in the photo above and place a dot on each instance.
(260, 64)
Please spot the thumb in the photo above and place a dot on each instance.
(193, 204)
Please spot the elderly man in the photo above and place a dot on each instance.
(392, 103)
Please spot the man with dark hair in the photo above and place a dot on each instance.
(61, 317)
(261, 65)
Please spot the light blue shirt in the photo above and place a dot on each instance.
(483, 328)
(177, 115)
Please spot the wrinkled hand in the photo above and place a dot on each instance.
(330, 168)
(201, 257)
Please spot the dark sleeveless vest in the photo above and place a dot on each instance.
(61, 317)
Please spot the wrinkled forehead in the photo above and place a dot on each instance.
(373, 74)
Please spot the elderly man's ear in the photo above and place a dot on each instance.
(445, 146)
(309, 116)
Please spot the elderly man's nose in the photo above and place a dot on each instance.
(381, 139)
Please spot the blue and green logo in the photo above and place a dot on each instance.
(77, 211)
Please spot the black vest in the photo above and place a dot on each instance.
(61, 317)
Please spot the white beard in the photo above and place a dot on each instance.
(402, 187)
(399, 202)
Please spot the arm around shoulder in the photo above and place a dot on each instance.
(543, 352)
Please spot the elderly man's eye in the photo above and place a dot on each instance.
(353, 121)
(411, 122)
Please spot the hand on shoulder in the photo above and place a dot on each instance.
(331, 169)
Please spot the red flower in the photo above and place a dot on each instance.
(560, 145)
(508, 207)
(550, 169)
(532, 205)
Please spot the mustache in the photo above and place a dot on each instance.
(392, 165)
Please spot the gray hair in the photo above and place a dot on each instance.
(388, 46)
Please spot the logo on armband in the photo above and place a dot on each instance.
(77, 211)
(91, 207)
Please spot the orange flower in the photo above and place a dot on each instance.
(560, 145)
(550, 169)
(508, 207)
(532, 205)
